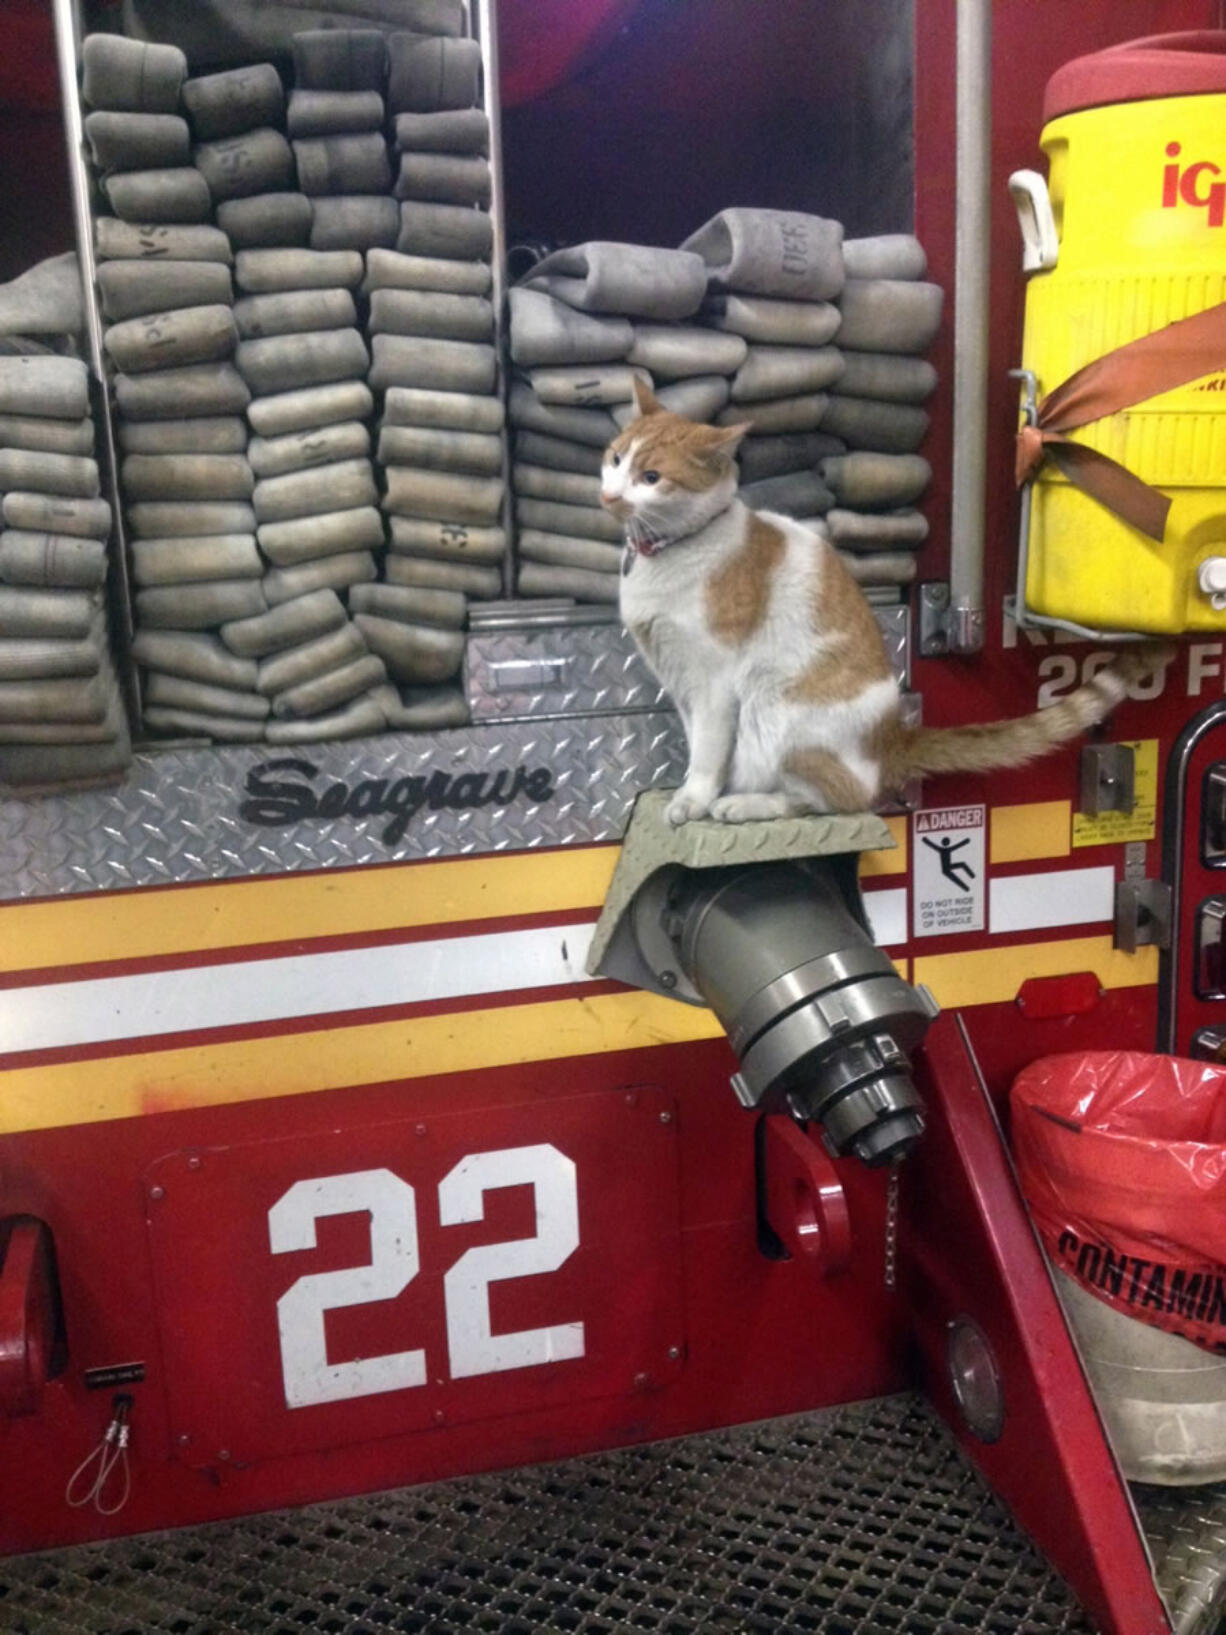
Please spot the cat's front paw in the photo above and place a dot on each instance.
(685, 807)
(729, 809)
(749, 808)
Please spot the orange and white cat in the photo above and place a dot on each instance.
(769, 649)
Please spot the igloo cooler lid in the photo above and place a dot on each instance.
(1159, 65)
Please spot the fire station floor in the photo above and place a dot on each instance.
(851, 1521)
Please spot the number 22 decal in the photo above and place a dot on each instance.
(473, 1348)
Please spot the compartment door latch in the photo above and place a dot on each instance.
(1108, 779)
(1142, 915)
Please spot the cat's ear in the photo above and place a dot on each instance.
(645, 400)
(725, 440)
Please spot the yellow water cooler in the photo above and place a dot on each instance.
(1127, 239)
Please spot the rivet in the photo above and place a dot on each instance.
(419, 1129)
(632, 1100)
(193, 1163)
(440, 1418)
(184, 1439)
(223, 1453)
(157, 1192)
(668, 979)
(641, 1381)
(666, 1118)
(674, 1352)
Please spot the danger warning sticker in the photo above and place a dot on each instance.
(949, 869)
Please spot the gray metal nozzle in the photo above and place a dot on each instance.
(818, 1016)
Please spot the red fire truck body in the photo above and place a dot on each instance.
(333, 1157)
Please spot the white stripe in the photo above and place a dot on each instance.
(212, 996)
(239, 993)
(887, 916)
(1032, 902)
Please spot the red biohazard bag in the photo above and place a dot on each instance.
(1122, 1159)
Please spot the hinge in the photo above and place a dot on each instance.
(944, 628)
(934, 619)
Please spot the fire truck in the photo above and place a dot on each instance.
(414, 1213)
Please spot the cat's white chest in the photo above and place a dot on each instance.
(662, 607)
(655, 587)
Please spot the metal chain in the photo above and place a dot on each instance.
(891, 1227)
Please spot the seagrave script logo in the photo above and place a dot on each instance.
(292, 797)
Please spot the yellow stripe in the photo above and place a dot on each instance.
(139, 924)
(239, 913)
(35, 1098)
(987, 976)
(888, 862)
(1036, 829)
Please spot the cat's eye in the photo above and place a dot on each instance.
(651, 476)
(617, 459)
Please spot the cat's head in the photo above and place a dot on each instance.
(664, 476)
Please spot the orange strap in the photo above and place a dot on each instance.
(1155, 363)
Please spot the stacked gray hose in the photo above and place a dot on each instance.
(166, 295)
(435, 369)
(584, 322)
(61, 715)
(889, 316)
(834, 427)
(303, 361)
(772, 279)
(335, 120)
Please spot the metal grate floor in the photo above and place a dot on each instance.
(854, 1521)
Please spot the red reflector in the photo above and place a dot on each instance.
(1042, 997)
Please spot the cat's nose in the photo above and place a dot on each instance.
(607, 499)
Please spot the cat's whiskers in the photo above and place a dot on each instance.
(643, 537)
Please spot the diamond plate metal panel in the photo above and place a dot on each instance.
(895, 623)
(1186, 1532)
(580, 662)
(179, 817)
(861, 1518)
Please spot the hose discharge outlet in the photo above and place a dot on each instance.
(819, 1018)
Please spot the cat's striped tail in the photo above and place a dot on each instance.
(1000, 744)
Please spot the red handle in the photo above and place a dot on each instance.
(805, 1203)
(27, 1316)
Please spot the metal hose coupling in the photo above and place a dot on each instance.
(821, 1021)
